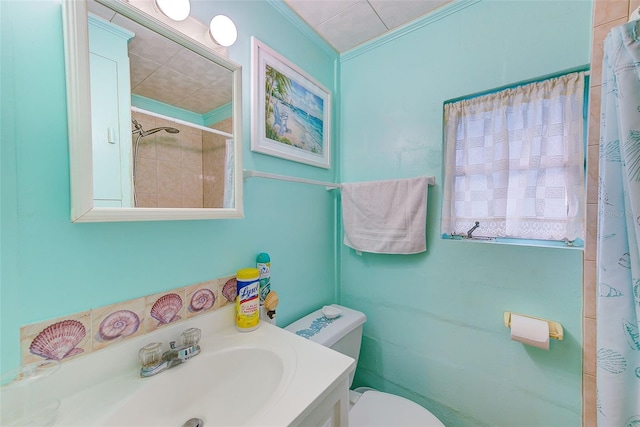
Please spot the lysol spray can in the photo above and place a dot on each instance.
(247, 301)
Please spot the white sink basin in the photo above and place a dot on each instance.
(235, 383)
(267, 377)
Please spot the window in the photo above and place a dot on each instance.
(514, 162)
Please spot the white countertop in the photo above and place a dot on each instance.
(93, 388)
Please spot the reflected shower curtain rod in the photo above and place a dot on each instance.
(329, 185)
(182, 122)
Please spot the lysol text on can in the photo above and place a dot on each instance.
(248, 299)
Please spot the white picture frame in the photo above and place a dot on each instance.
(290, 110)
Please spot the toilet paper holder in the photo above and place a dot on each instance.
(555, 328)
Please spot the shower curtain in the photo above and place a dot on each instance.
(229, 195)
(618, 357)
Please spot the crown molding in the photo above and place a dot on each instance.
(302, 25)
(440, 13)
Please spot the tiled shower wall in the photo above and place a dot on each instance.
(182, 170)
(606, 15)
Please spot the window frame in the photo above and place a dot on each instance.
(578, 243)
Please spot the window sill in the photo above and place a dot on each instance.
(578, 244)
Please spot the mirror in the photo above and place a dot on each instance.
(154, 118)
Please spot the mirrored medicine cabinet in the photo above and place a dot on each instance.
(154, 118)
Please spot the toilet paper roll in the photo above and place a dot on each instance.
(530, 331)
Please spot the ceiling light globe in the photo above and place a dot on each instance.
(223, 31)
(178, 10)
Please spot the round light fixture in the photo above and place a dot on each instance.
(178, 10)
(223, 31)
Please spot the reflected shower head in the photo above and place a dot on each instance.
(154, 130)
(137, 128)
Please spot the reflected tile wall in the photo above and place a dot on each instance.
(169, 166)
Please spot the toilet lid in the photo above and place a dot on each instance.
(375, 408)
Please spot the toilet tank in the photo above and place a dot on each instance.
(342, 334)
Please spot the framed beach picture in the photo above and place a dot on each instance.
(290, 111)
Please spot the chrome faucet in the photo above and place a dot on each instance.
(176, 356)
(154, 361)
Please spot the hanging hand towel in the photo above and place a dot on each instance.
(386, 217)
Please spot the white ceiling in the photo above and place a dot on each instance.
(346, 24)
(157, 65)
(169, 73)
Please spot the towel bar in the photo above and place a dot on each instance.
(431, 180)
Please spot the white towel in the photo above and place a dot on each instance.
(386, 217)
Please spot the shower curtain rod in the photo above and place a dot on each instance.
(431, 180)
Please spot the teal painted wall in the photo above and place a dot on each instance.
(51, 267)
(435, 331)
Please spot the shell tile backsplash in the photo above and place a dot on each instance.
(229, 289)
(78, 334)
(202, 297)
(117, 322)
(167, 309)
(58, 339)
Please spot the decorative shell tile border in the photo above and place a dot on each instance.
(81, 333)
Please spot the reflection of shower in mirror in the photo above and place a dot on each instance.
(137, 128)
(176, 164)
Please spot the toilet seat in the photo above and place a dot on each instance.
(375, 408)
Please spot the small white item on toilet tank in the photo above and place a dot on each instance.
(331, 312)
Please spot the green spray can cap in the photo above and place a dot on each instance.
(263, 257)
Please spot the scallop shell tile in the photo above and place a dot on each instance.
(164, 308)
(167, 308)
(229, 290)
(58, 339)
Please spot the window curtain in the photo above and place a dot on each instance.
(618, 274)
(515, 162)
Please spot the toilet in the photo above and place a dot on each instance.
(340, 328)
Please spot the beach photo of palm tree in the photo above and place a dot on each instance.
(290, 110)
(293, 114)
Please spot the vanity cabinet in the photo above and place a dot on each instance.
(332, 409)
(110, 113)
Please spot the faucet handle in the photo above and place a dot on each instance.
(191, 336)
(150, 354)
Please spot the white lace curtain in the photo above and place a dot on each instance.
(514, 161)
